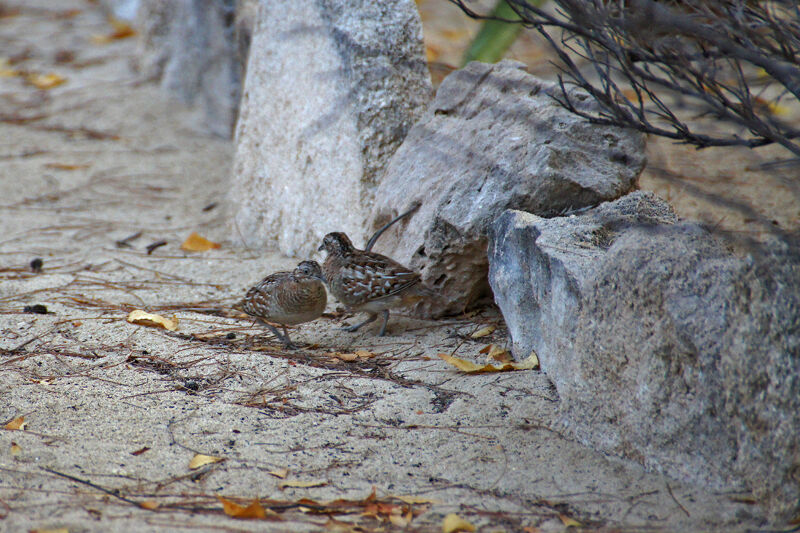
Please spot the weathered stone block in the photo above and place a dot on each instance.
(664, 346)
(493, 139)
(191, 46)
(332, 88)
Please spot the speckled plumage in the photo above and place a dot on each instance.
(287, 298)
(367, 281)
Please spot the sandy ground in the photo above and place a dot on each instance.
(123, 408)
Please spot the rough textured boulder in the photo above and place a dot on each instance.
(664, 346)
(332, 88)
(191, 46)
(494, 138)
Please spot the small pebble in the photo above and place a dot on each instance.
(38, 309)
(36, 265)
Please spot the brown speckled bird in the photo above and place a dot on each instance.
(287, 298)
(367, 281)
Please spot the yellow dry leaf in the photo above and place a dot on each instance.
(301, 484)
(499, 354)
(150, 505)
(64, 166)
(45, 81)
(569, 522)
(15, 448)
(234, 510)
(57, 530)
(358, 354)
(121, 30)
(202, 460)
(530, 363)
(280, 473)
(777, 109)
(197, 243)
(483, 332)
(453, 523)
(143, 318)
(16, 424)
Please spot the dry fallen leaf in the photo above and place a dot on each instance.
(64, 166)
(45, 81)
(483, 332)
(499, 354)
(294, 484)
(197, 243)
(143, 318)
(140, 451)
(569, 522)
(15, 448)
(149, 505)
(57, 530)
(233, 509)
(280, 473)
(358, 354)
(201, 460)
(532, 362)
(453, 523)
(121, 30)
(16, 424)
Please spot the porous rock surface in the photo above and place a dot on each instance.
(191, 46)
(332, 88)
(494, 138)
(664, 346)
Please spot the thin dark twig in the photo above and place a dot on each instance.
(112, 492)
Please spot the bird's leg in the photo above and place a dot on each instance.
(277, 333)
(372, 318)
(287, 342)
(385, 321)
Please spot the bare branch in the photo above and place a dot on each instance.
(655, 65)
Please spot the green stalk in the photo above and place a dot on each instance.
(495, 37)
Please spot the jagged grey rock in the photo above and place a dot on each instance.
(332, 88)
(664, 346)
(191, 46)
(494, 138)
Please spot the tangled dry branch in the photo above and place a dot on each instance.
(657, 66)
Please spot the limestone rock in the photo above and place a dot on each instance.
(191, 46)
(332, 88)
(493, 139)
(664, 346)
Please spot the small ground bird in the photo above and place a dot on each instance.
(367, 281)
(287, 298)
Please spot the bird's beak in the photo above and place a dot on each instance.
(321, 247)
(322, 279)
